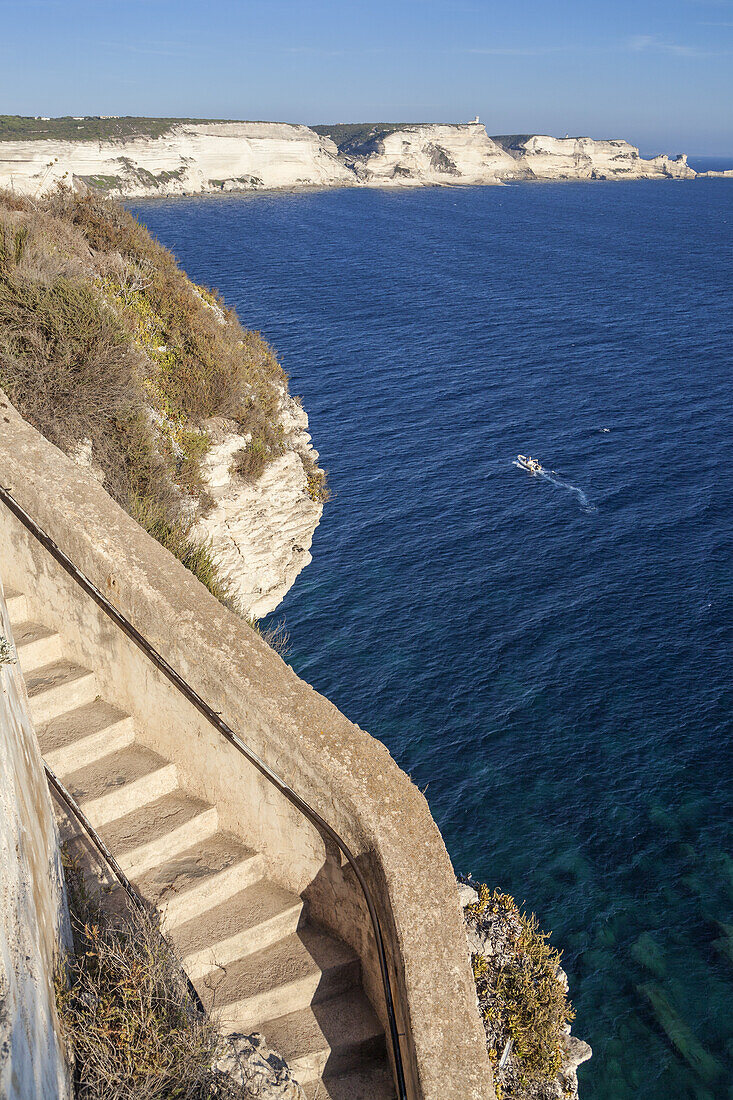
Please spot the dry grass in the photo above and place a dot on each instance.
(211, 366)
(105, 343)
(126, 1013)
(276, 635)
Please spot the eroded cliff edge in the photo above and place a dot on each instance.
(183, 157)
(153, 385)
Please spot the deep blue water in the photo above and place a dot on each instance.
(549, 659)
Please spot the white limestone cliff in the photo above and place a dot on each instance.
(726, 174)
(189, 159)
(547, 158)
(200, 157)
(432, 154)
(261, 532)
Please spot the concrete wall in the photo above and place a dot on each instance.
(33, 918)
(346, 775)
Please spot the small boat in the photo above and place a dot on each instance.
(529, 464)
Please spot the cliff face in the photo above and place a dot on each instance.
(431, 155)
(261, 531)
(33, 920)
(188, 159)
(542, 157)
(182, 414)
(197, 157)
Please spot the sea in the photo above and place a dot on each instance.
(549, 657)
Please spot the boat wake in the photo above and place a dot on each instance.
(551, 476)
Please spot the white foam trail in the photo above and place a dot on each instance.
(585, 504)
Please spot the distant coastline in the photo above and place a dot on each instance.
(146, 158)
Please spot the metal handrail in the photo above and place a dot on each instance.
(135, 897)
(218, 722)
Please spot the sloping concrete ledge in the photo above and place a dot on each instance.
(346, 775)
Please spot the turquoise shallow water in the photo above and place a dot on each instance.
(548, 657)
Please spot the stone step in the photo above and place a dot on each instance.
(285, 977)
(159, 830)
(256, 917)
(81, 736)
(36, 645)
(195, 881)
(327, 1039)
(244, 940)
(58, 687)
(121, 782)
(17, 606)
(373, 1082)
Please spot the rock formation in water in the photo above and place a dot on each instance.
(546, 158)
(188, 157)
(426, 155)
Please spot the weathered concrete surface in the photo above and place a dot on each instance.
(33, 918)
(345, 774)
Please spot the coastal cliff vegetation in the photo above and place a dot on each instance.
(87, 128)
(120, 360)
(523, 999)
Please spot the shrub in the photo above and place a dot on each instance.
(521, 995)
(126, 1013)
(251, 460)
(7, 653)
(318, 489)
(65, 360)
(107, 346)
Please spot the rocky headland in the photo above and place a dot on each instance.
(541, 157)
(166, 157)
(152, 384)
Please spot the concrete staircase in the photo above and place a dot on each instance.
(247, 944)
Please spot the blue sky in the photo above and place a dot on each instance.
(659, 72)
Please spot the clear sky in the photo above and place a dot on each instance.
(659, 72)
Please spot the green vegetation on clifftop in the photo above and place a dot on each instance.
(90, 128)
(119, 359)
(354, 137)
